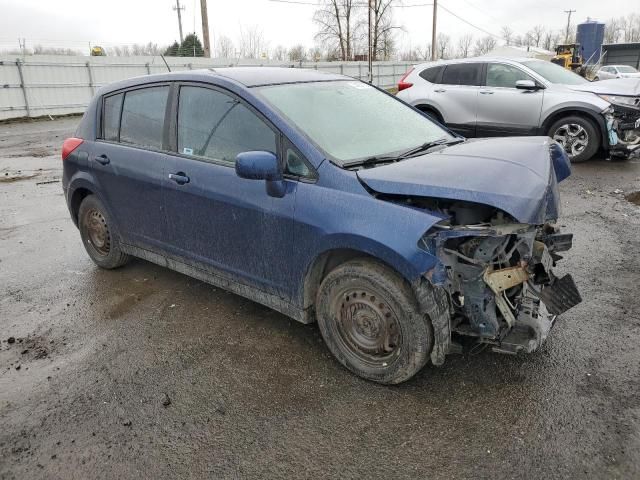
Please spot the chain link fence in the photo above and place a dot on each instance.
(44, 85)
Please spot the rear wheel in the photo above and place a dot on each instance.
(98, 234)
(369, 319)
(596, 79)
(578, 136)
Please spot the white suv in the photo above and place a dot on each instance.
(486, 97)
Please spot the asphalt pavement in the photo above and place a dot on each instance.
(142, 372)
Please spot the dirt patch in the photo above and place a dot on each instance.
(35, 153)
(633, 197)
(16, 177)
(31, 347)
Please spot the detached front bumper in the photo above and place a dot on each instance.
(501, 284)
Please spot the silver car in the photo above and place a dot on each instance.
(483, 97)
(616, 71)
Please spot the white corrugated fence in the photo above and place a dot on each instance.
(40, 85)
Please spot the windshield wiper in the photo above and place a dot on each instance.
(372, 160)
(406, 154)
(427, 146)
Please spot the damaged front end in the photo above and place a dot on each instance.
(623, 125)
(500, 281)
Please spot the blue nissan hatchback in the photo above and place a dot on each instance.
(327, 199)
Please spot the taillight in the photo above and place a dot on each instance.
(69, 145)
(402, 85)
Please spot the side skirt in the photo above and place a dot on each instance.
(215, 278)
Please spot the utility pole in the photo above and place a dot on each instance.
(370, 54)
(568, 12)
(434, 50)
(179, 9)
(205, 28)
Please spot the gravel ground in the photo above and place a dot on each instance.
(143, 372)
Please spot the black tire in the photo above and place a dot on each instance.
(99, 237)
(588, 127)
(596, 79)
(370, 320)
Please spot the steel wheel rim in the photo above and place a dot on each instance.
(367, 326)
(573, 138)
(97, 230)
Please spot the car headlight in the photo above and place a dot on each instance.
(621, 100)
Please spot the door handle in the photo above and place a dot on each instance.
(486, 92)
(102, 159)
(180, 178)
(440, 90)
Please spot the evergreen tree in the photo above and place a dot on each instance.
(173, 50)
(191, 47)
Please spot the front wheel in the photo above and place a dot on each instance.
(578, 136)
(370, 320)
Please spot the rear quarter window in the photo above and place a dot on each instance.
(111, 117)
(431, 74)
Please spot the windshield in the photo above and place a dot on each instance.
(554, 73)
(351, 120)
(625, 69)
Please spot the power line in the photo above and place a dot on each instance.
(470, 24)
(357, 4)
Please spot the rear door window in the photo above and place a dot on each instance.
(506, 76)
(111, 117)
(143, 117)
(217, 126)
(431, 74)
(462, 74)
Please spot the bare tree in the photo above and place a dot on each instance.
(443, 42)
(252, 42)
(382, 27)
(40, 50)
(484, 45)
(335, 20)
(464, 45)
(297, 54)
(536, 34)
(315, 54)
(224, 47)
(387, 46)
(507, 34)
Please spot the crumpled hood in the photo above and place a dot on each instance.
(614, 86)
(513, 174)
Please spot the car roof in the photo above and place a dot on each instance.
(256, 76)
(246, 76)
(479, 60)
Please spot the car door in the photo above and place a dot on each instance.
(456, 96)
(504, 109)
(215, 219)
(128, 162)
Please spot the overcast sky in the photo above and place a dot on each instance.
(75, 23)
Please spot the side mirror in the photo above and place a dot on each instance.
(527, 85)
(258, 165)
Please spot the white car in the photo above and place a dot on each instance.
(616, 71)
(489, 97)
